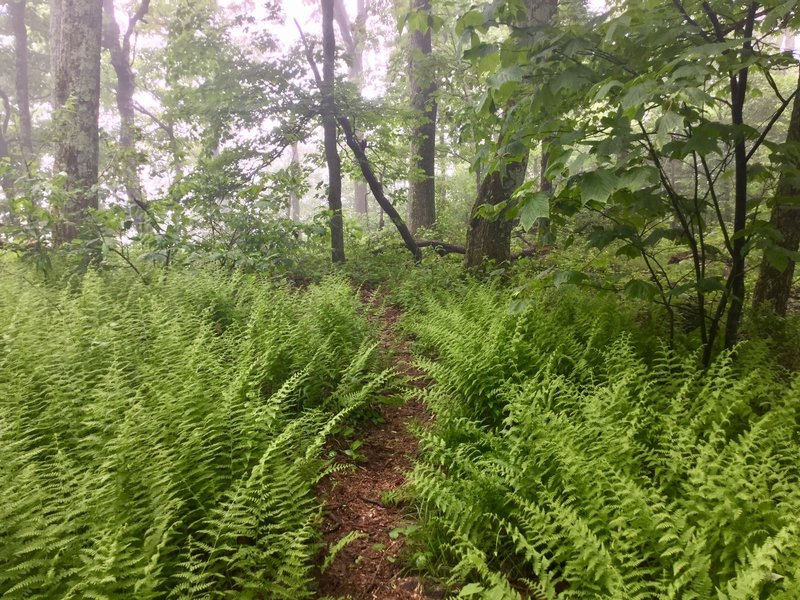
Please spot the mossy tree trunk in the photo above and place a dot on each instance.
(491, 239)
(76, 29)
(422, 186)
(774, 285)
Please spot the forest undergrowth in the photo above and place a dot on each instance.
(575, 457)
(172, 440)
(166, 440)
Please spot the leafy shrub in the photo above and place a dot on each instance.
(566, 462)
(164, 440)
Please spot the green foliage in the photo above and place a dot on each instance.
(164, 440)
(568, 461)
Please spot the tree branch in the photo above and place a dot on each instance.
(361, 158)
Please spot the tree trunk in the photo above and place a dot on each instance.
(492, 239)
(422, 187)
(294, 199)
(17, 12)
(352, 36)
(120, 50)
(6, 180)
(738, 87)
(773, 286)
(76, 28)
(358, 149)
(329, 128)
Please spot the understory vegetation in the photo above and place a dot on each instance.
(573, 456)
(361, 299)
(165, 440)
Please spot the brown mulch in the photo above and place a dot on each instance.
(371, 567)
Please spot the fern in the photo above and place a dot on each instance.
(568, 462)
(166, 440)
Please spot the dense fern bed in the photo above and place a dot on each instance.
(569, 460)
(164, 440)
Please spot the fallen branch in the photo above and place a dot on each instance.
(442, 248)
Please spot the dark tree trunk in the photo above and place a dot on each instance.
(773, 286)
(738, 88)
(377, 188)
(358, 149)
(422, 188)
(491, 239)
(329, 127)
(76, 29)
(17, 12)
(120, 49)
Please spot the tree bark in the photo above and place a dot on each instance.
(329, 128)
(294, 199)
(6, 180)
(738, 87)
(119, 48)
(17, 12)
(76, 28)
(352, 36)
(375, 185)
(492, 239)
(422, 185)
(773, 285)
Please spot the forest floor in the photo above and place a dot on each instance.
(372, 565)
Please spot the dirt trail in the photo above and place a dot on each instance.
(369, 567)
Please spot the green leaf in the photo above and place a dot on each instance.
(668, 123)
(629, 250)
(469, 20)
(606, 87)
(418, 21)
(471, 589)
(569, 278)
(635, 97)
(641, 290)
(597, 186)
(534, 207)
(638, 178)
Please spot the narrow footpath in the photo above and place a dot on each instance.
(370, 567)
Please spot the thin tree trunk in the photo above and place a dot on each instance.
(377, 188)
(6, 180)
(358, 149)
(17, 12)
(329, 127)
(120, 49)
(352, 36)
(774, 286)
(422, 187)
(76, 26)
(294, 199)
(545, 185)
(738, 88)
